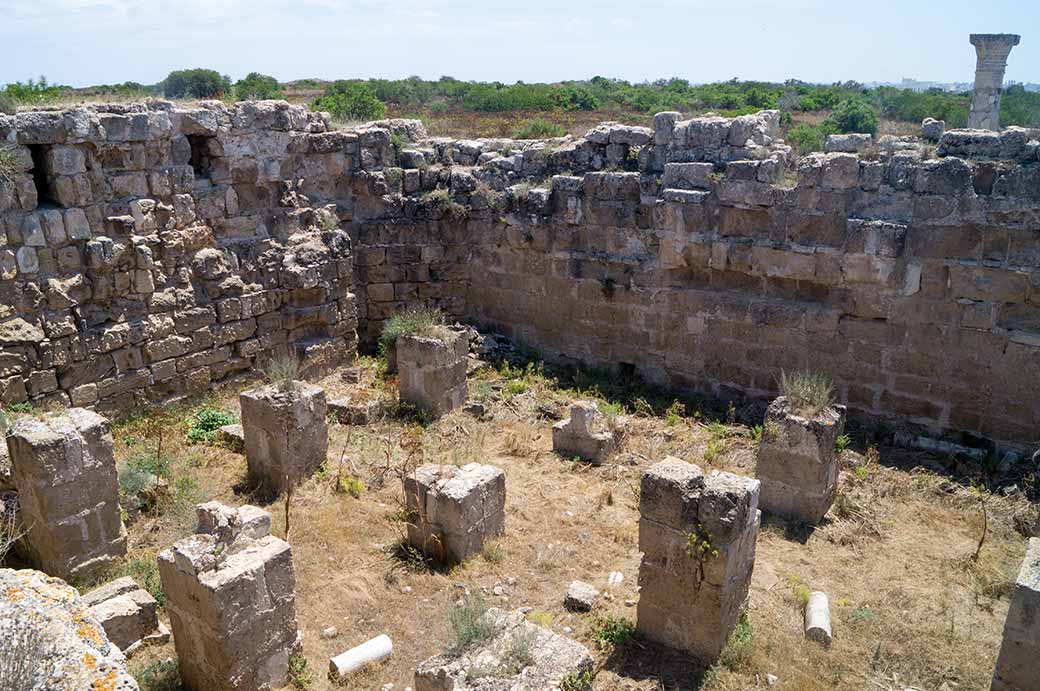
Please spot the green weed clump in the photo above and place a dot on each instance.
(204, 422)
(612, 631)
(283, 373)
(539, 128)
(468, 624)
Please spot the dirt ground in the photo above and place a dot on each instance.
(909, 605)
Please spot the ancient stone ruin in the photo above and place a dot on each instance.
(64, 471)
(697, 534)
(231, 596)
(432, 370)
(584, 434)
(154, 251)
(286, 434)
(53, 640)
(128, 614)
(797, 463)
(1020, 650)
(454, 511)
(549, 659)
(992, 51)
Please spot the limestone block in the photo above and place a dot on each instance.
(357, 412)
(432, 371)
(580, 596)
(232, 437)
(1016, 668)
(796, 461)
(74, 653)
(65, 472)
(232, 608)
(848, 143)
(286, 434)
(128, 614)
(932, 129)
(583, 435)
(228, 523)
(489, 666)
(454, 510)
(697, 534)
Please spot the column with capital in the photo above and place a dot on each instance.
(992, 51)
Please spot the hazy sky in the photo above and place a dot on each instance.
(82, 42)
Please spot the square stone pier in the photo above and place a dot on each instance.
(797, 463)
(286, 433)
(231, 598)
(1018, 663)
(432, 371)
(454, 511)
(697, 534)
(65, 472)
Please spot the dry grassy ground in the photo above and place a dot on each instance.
(910, 608)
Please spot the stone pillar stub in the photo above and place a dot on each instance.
(286, 433)
(64, 469)
(231, 598)
(992, 52)
(432, 371)
(697, 533)
(1016, 668)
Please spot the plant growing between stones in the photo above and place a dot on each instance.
(841, 443)
(159, 675)
(145, 572)
(413, 322)
(808, 392)
(577, 681)
(283, 373)
(8, 163)
(300, 676)
(468, 624)
(440, 200)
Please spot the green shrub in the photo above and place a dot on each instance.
(611, 631)
(204, 422)
(808, 392)
(740, 646)
(539, 128)
(8, 103)
(418, 320)
(578, 681)
(441, 201)
(346, 100)
(300, 676)
(469, 624)
(806, 138)
(853, 115)
(196, 83)
(35, 93)
(257, 86)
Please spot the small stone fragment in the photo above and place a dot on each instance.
(581, 597)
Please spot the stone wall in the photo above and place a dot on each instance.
(175, 248)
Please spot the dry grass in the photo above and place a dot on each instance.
(910, 607)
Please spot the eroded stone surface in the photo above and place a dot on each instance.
(72, 653)
(697, 534)
(1016, 668)
(128, 613)
(432, 371)
(65, 473)
(454, 511)
(797, 463)
(232, 603)
(286, 433)
(584, 434)
(490, 667)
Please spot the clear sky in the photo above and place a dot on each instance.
(83, 42)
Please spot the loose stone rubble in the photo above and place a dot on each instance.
(286, 433)
(490, 667)
(232, 437)
(992, 51)
(357, 412)
(1016, 668)
(432, 371)
(230, 595)
(797, 464)
(584, 434)
(64, 471)
(52, 636)
(128, 614)
(454, 511)
(697, 534)
(581, 597)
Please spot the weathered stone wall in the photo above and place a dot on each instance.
(178, 247)
(148, 252)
